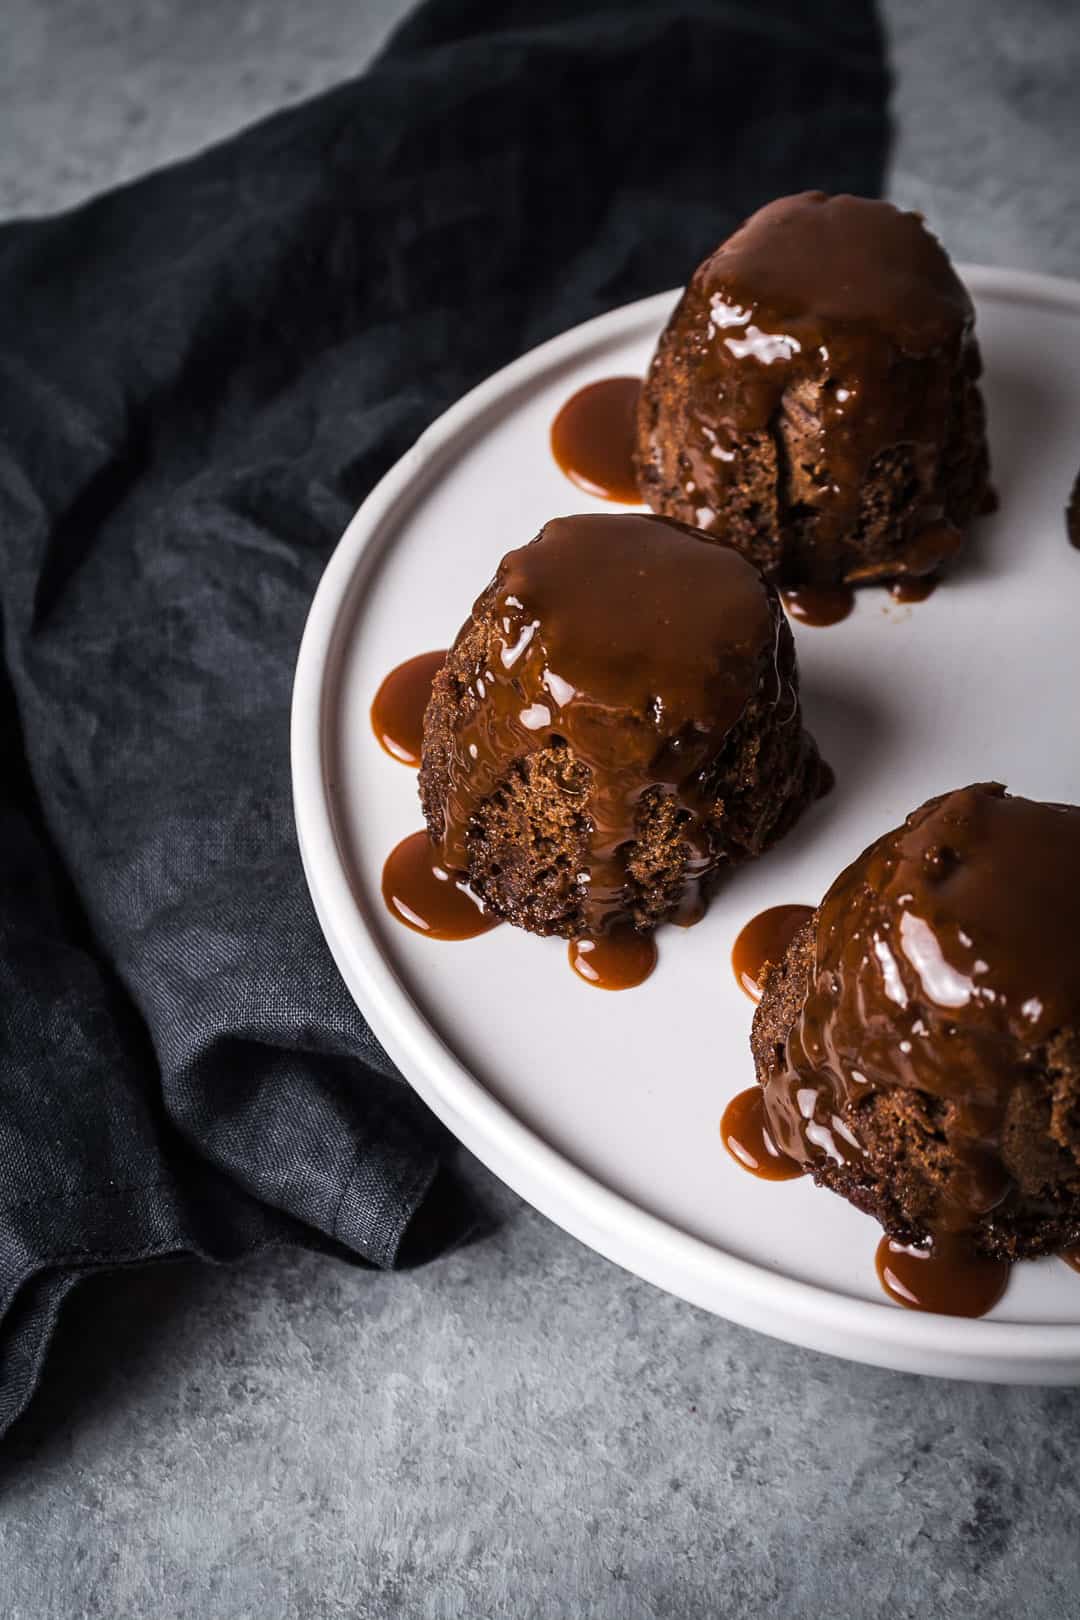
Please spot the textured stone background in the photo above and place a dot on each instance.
(520, 1429)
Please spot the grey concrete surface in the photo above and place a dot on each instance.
(988, 126)
(93, 92)
(519, 1429)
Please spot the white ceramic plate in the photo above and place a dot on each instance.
(603, 1109)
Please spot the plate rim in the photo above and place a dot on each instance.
(690, 1267)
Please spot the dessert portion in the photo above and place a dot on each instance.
(814, 398)
(918, 1045)
(616, 721)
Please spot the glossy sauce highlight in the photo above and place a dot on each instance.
(423, 895)
(764, 939)
(745, 1133)
(592, 439)
(397, 714)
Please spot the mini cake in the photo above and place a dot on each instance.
(617, 721)
(814, 397)
(919, 1045)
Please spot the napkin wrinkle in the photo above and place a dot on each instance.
(202, 374)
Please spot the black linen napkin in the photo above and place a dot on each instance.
(201, 375)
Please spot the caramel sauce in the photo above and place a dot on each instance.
(943, 956)
(832, 294)
(950, 1276)
(690, 910)
(936, 544)
(592, 438)
(818, 605)
(765, 939)
(397, 714)
(1071, 1257)
(628, 646)
(424, 896)
(618, 959)
(1072, 515)
(745, 1134)
(915, 589)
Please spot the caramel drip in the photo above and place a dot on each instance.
(765, 939)
(745, 1134)
(949, 1276)
(619, 959)
(423, 895)
(397, 714)
(818, 605)
(914, 590)
(945, 965)
(592, 438)
(843, 293)
(633, 644)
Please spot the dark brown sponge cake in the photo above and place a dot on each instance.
(616, 722)
(814, 398)
(919, 1044)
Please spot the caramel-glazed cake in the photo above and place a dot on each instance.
(814, 397)
(616, 722)
(919, 1044)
